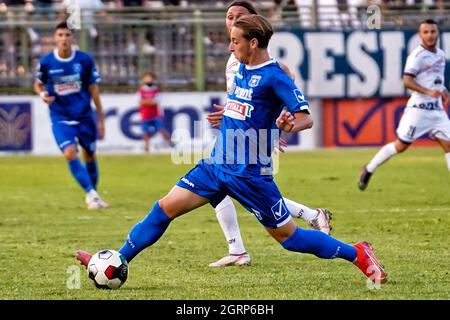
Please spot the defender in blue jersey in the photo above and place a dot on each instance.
(67, 81)
(240, 163)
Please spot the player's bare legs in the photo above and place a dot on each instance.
(384, 154)
(146, 138)
(180, 201)
(361, 254)
(166, 135)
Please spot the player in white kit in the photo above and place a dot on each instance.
(424, 112)
(225, 210)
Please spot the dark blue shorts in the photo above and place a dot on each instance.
(68, 133)
(152, 126)
(259, 194)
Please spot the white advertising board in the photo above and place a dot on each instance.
(184, 116)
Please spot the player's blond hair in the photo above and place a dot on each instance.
(255, 27)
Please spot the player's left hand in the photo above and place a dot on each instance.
(215, 118)
(285, 121)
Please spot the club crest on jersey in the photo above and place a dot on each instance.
(254, 81)
(238, 110)
(77, 68)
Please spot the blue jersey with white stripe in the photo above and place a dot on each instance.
(68, 80)
(255, 99)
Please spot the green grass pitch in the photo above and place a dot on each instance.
(404, 213)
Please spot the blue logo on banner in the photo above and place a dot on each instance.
(15, 126)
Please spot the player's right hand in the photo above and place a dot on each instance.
(46, 98)
(215, 118)
(434, 93)
(285, 121)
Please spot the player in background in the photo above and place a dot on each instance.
(225, 210)
(260, 91)
(151, 117)
(424, 112)
(67, 81)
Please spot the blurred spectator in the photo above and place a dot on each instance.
(45, 13)
(132, 3)
(16, 11)
(424, 3)
(327, 14)
(331, 14)
(171, 2)
(88, 9)
(275, 12)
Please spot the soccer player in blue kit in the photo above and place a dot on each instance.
(67, 81)
(243, 170)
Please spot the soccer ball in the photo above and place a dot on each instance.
(108, 269)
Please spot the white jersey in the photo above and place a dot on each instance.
(428, 69)
(231, 70)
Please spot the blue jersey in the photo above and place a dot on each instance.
(68, 80)
(255, 99)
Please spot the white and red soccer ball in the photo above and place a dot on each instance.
(108, 269)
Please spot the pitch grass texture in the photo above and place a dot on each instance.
(404, 213)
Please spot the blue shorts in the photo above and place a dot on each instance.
(85, 133)
(259, 194)
(152, 126)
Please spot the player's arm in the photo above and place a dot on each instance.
(294, 122)
(95, 95)
(410, 83)
(40, 90)
(295, 116)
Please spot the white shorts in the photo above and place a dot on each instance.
(416, 122)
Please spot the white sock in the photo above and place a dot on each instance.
(385, 153)
(226, 214)
(92, 194)
(299, 210)
(447, 158)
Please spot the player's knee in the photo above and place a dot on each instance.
(400, 146)
(169, 207)
(70, 153)
(445, 145)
